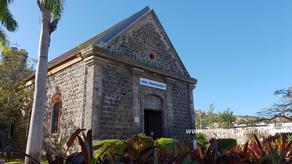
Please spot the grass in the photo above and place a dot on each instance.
(18, 160)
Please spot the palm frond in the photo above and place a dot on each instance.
(3, 38)
(56, 7)
(8, 21)
(9, 1)
(6, 18)
(4, 5)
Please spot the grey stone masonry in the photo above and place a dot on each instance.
(93, 92)
(181, 105)
(147, 42)
(116, 116)
(70, 84)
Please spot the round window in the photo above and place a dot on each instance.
(152, 56)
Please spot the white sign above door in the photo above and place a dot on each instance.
(153, 84)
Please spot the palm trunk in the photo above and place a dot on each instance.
(35, 136)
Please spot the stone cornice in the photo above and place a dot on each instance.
(97, 51)
(101, 55)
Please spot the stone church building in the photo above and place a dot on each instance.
(126, 80)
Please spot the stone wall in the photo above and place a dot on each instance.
(70, 84)
(181, 108)
(116, 115)
(242, 134)
(146, 42)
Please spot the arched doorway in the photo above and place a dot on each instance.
(153, 116)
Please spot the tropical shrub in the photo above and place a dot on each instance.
(214, 154)
(110, 150)
(140, 148)
(286, 136)
(260, 135)
(140, 142)
(226, 143)
(57, 151)
(85, 142)
(202, 140)
(289, 137)
(167, 148)
(274, 151)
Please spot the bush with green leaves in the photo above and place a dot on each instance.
(110, 149)
(168, 147)
(290, 137)
(202, 140)
(226, 143)
(140, 142)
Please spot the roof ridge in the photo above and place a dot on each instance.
(104, 35)
(124, 25)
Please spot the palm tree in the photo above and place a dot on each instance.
(51, 11)
(226, 118)
(7, 20)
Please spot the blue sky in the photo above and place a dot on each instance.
(239, 50)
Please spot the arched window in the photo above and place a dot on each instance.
(55, 112)
(55, 117)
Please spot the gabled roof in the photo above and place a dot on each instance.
(107, 36)
(104, 36)
(123, 25)
(107, 40)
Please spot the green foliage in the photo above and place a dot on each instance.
(140, 142)
(189, 160)
(279, 136)
(168, 147)
(58, 148)
(226, 143)
(206, 119)
(85, 143)
(3, 37)
(289, 137)
(15, 97)
(166, 143)
(198, 118)
(55, 7)
(140, 148)
(275, 149)
(226, 118)
(273, 157)
(202, 140)
(7, 21)
(110, 149)
(210, 116)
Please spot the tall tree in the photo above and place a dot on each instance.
(226, 118)
(210, 118)
(7, 20)
(283, 107)
(14, 96)
(198, 119)
(51, 11)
